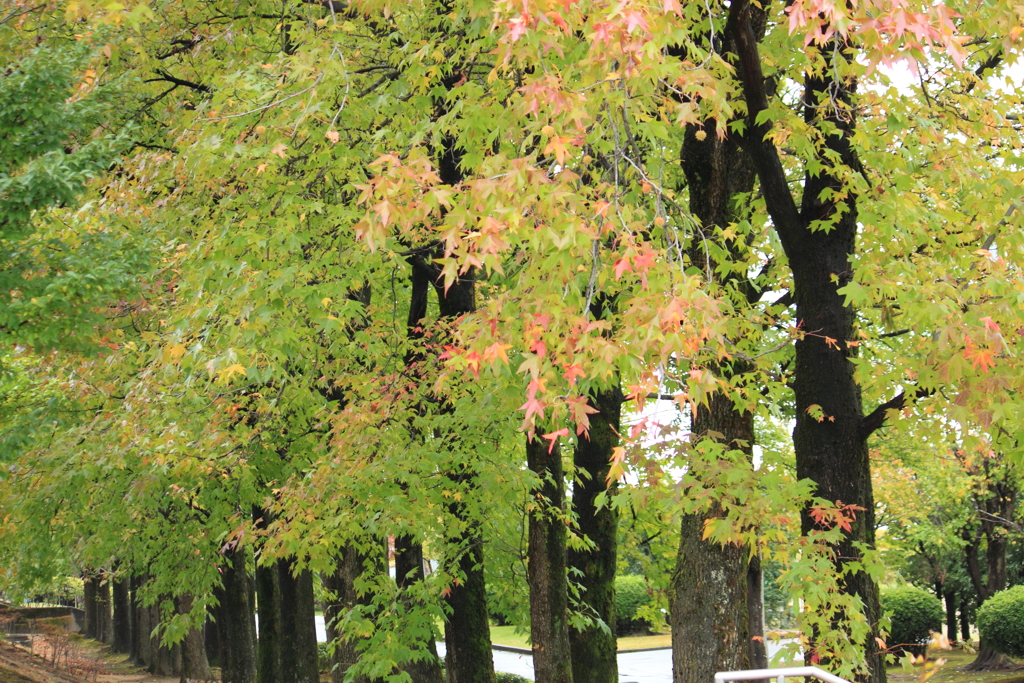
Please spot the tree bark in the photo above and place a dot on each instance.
(593, 649)
(716, 604)
(89, 606)
(299, 659)
(831, 452)
(409, 550)
(237, 625)
(949, 597)
(194, 665)
(409, 570)
(351, 564)
(709, 601)
(999, 502)
(549, 627)
(104, 614)
(965, 623)
(140, 627)
(268, 665)
(122, 624)
(165, 661)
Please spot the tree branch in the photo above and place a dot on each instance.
(774, 186)
(164, 76)
(877, 417)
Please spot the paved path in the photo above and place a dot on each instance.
(652, 666)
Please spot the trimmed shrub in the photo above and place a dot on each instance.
(630, 595)
(502, 677)
(1001, 621)
(914, 613)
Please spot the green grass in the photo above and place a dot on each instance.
(506, 635)
(950, 672)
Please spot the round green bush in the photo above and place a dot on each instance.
(914, 613)
(1001, 621)
(630, 595)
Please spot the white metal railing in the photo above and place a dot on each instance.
(780, 674)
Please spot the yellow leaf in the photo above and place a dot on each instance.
(333, 136)
(279, 149)
(225, 374)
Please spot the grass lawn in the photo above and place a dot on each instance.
(506, 635)
(950, 673)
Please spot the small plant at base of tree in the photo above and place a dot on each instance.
(1001, 621)
(914, 613)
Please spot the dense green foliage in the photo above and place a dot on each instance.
(1001, 621)
(631, 594)
(913, 613)
(59, 273)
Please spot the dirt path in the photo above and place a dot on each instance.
(19, 666)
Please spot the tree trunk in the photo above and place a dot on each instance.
(549, 628)
(965, 623)
(709, 601)
(341, 583)
(194, 665)
(716, 604)
(949, 597)
(268, 665)
(165, 661)
(408, 550)
(140, 627)
(409, 570)
(299, 659)
(90, 628)
(236, 624)
(999, 503)
(104, 613)
(122, 624)
(594, 649)
(755, 614)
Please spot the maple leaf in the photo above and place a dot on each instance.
(990, 325)
(279, 150)
(533, 406)
(621, 266)
(333, 136)
(552, 437)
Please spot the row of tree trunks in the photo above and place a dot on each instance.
(99, 623)
(287, 649)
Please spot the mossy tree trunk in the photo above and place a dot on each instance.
(549, 608)
(593, 649)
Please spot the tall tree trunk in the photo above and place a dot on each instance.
(299, 659)
(999, 503)
(709, 601)
(716, 604)
(237, 626)
(965, 622)
(268, 665)
(140, 626)
(194, 665)
(351, 564)
(165, 661)
(594, 649)
(549, 627)
(122, 624)
(831, 452)
(467, 630)
(90, 584)
(755, 614)
(949, 596)
(104, 613)
(408, 550)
